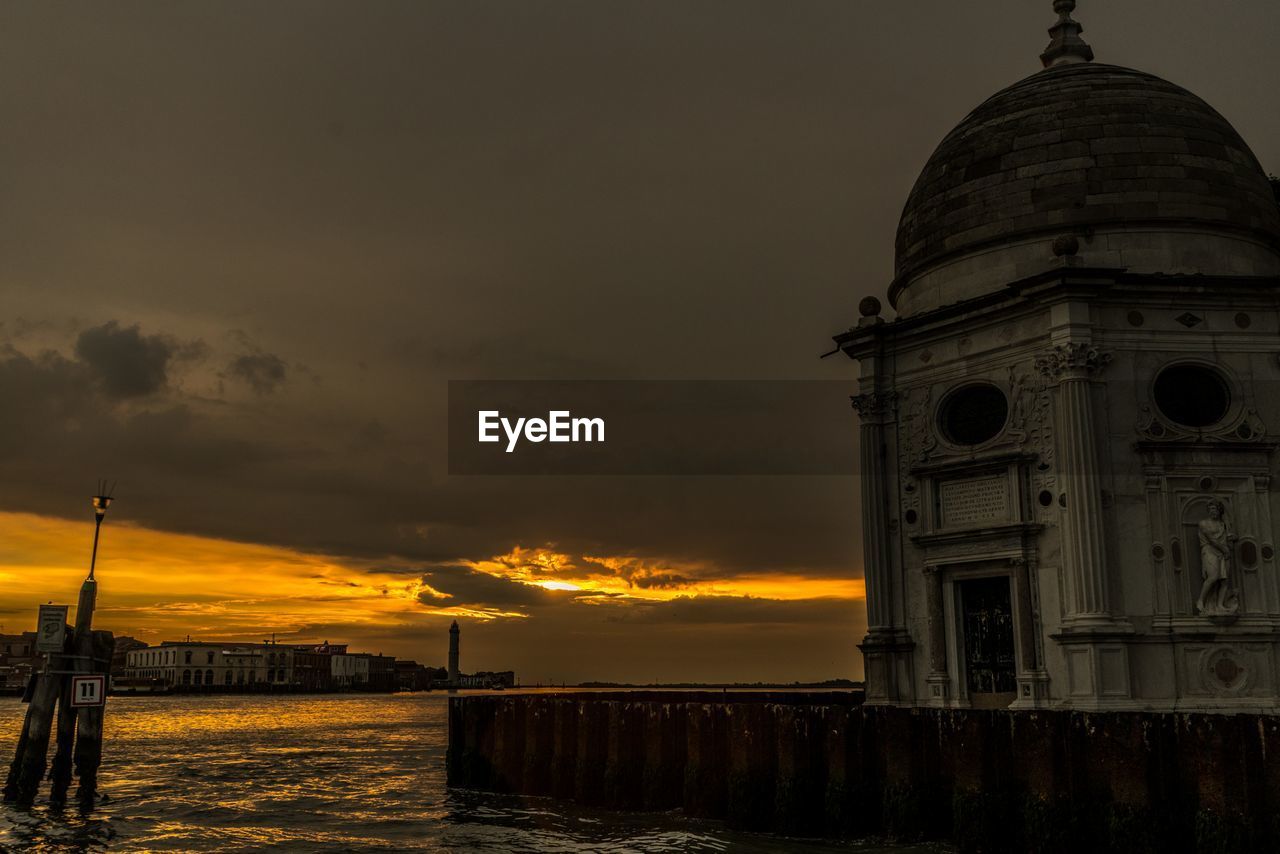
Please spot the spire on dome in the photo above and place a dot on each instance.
(1066, 45)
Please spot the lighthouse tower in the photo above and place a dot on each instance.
(453, 653)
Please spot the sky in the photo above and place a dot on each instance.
(244, 247)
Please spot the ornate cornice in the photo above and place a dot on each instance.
(1073, 360)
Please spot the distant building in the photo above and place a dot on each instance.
(381, 672)
(18, 646)
(488, 679)
(17, 657)
(120, 653)
(349, 671)
(412, 676)
(200, 665)
(210, 666)
(312, 670)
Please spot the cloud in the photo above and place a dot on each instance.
(467, 587)
(661, 580)
(126, 362)
(738, 610)
(262, 372)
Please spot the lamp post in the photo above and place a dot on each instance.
(79, 732)
(101, 502)
(89, 590)
(93, 655)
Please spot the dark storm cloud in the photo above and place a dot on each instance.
(41, 392)
(128, 363)
(660, 580)
(463, 586)
(262, 372)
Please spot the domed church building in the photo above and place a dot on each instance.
(1069, 430)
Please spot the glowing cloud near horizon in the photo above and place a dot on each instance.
(159, 585)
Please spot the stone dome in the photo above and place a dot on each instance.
(1130, 163)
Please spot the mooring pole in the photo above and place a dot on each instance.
(64, 741)
(88, 755)
(89, 659)
(33, 746)
(80, 661)
(83, 651)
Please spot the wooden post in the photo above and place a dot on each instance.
(11, 781)
(84, 651)
(88, 755)
(60, 772)
(33, 747)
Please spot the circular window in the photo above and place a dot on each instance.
(1192, 395)
(974, 414)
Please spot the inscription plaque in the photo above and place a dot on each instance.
(974, 501)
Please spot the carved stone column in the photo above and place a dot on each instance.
(873, 409)
(1072, 367)
(887, 649)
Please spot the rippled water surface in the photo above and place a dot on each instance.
(303, 773)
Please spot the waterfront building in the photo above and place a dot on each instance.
(381, 671)
(18, 647)
(201, 665)
(488, 679)
(312, 669)
(349, 671)
(412, 676)
(122, 646)
(17, 657)
(1068, 431)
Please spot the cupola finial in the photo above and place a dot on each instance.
(1066, 45)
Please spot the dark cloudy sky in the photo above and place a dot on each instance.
(244, 246)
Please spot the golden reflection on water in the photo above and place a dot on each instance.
(334, 773)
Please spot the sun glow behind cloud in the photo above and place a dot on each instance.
(163, 586)
(160, 585)
(629, 577)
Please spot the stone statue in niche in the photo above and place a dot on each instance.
(1216, 544)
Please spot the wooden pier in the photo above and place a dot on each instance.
(822, 765)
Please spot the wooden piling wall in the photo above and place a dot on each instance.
(819, 764)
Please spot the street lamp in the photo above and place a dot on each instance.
(101, 502)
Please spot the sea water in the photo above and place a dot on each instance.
(349, 772)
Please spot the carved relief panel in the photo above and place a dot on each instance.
(974, 420)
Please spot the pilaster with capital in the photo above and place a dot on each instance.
(873, 409)
(1072, 367)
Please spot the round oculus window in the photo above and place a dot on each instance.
(1192, 395)
(974, 414)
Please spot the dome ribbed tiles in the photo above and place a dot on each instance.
(1082, 145)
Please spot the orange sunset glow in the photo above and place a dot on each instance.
(160, 585)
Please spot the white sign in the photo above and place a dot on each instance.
(88, 690)
(52, 628)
